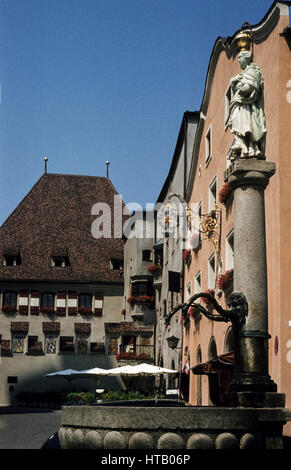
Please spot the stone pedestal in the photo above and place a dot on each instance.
(249, 179)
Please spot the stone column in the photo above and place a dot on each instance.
(249, 179)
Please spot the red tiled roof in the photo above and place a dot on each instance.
(56, 216)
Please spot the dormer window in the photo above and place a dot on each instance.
(116, 264)
(11, 256)
(60, 261)
(9, 260)
(60, 257)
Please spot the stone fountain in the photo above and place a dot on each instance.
(254, 413)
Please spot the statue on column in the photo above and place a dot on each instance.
(246, 111)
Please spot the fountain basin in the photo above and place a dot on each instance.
(116, 426)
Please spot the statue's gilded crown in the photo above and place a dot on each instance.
(244, 38)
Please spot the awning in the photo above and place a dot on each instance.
(215, 365)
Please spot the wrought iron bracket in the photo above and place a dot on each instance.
(236, 314)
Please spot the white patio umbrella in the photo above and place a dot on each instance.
(149, 369)
(68, 374)
(124, 370)
(94, 373)
(140, 369)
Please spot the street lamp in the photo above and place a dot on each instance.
(173, 342)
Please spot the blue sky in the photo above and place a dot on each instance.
(85, 81)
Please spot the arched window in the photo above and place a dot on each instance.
(229, 341)
(10, 298)
(48, 299)
(213, 379)
(199, 377)
(212, 350)
(85, 301)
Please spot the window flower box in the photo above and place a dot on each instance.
(9, 308)
(48, 310)
(224, 193)
(225, 280)
(85, 311)
(148, 300)
(132, 355)
(154, 269)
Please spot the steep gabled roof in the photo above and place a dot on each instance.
(55, 217)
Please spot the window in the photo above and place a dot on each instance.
(199, 377)
(67, 344)
(229, 341)
(159, 257)
(188, 291)
(82, 346)
(139, 288)
(229, 251)
(197, 285)
(227, 100)
(60, 261)
(116, 264)
(18, 343)
(50, 344)
(211, 272)
(10, 298)
(85, 301)
(146, 255)
(212, 350)
(128, 344)
(208, 146)
(48, 300)
(212, 195)
(11, 260)
(33, 345)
